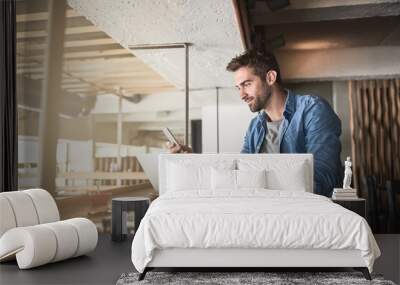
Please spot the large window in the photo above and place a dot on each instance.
(85, 111)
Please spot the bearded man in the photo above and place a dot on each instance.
(286, 122)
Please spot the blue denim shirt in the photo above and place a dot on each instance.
(309, 126)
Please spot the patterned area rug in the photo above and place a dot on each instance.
(225, 278)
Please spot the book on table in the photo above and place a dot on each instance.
(340, 193)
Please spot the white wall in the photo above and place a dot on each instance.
(233, 123)
(234, 119)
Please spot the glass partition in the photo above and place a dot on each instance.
(78, 136)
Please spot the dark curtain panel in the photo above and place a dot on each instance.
(8, 98)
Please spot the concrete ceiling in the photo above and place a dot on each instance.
(323, 39)
(209, 25)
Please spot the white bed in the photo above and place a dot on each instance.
(201, 219)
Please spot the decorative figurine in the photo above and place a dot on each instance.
(347, 174)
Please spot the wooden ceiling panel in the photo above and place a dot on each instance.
(43, 16)
(93, 62)
(68, 31)
(72, 46)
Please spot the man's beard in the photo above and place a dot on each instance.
(260, 102)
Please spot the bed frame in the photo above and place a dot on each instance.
(243, 259)
(246, 258)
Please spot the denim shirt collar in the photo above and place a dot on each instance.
(290, 108)
(290, 105)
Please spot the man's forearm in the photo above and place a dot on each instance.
(322, 189)
(324, 179)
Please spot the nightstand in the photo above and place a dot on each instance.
(120, 208)
(357, 205)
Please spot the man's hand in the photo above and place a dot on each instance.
(178, 148)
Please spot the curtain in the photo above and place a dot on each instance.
(8, 99)
(375, 130)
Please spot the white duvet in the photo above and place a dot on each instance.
(250, 219)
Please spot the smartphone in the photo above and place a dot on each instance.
(167, 132)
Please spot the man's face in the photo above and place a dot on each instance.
(254, 91)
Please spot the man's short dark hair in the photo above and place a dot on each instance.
(260, 61)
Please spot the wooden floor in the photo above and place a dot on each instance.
(111, 259)
(389, 262)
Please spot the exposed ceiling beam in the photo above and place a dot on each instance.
(89, 54)
(143, 116)
(340, 64)
(289, 16)
(130, 81)
(81, 89)
(75, 85)
(83, 55)
(132, 86)
(149, 90)
(123, 75)
(312, 4)
(92, 63)
(28, 64)
(109, 72)
(70, 80)
(30, 70)
(130, 89)
(43, 16)
(107, 69)
(40, 58)
(98, 76)
(241, 16)
(103, 62)
(69, 44)
(92, 42)
(68, 31)
(99, 71)
(96, 50)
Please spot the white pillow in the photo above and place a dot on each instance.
(227, 179)
(291, 179)
(182, 178)
(280, 174)
(251, 178)
(223, 179)
(185, 175)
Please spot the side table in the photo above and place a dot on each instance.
(357, 205)
(120, 208)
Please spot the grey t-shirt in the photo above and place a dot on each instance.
(271, 141)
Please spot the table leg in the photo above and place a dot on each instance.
(116, 220)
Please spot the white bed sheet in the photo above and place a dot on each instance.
(252, 218)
